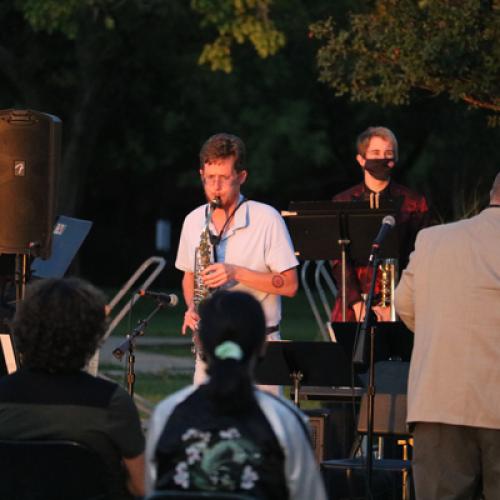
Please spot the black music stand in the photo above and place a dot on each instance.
(304, 363)
(326, 230)
(317, 226)
(67, 237)
(393, 340)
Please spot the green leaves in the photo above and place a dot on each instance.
(237, 21)
(64, 16)
(441, 46)
(51, 15)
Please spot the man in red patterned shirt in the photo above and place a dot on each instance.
(377, 155)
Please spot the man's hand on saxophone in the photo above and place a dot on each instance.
(218, 274)
(191, 319)
(285, 283)
(383, 313)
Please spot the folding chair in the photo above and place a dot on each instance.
(392, 478)
(197, 495)
(51, 470)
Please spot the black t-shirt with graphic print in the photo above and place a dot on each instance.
(200, 449)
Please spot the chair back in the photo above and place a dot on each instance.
(391, 380)
(197, 495)
(51, 470)
(389, 415)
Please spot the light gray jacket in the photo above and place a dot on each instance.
(449, 295)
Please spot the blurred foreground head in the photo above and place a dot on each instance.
(59, 324)
(232, 332)
(232, 316)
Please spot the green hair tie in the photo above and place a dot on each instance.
(228, 350)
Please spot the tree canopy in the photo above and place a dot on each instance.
(125, 77)
(381, 53)
(396, 46)
(237, 21)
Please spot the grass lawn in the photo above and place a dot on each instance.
(298, 324)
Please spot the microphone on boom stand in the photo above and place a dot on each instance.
(359, 357)
(388, 222)
(165, 298)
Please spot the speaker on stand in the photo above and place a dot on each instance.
(30, 155)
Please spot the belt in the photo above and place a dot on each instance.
(272, 329)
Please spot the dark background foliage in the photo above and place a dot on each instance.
(124, 76)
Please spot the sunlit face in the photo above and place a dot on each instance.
(378, 147)
(220, 179)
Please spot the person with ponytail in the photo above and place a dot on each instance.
(225, 434)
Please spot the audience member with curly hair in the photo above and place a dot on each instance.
(56, 330)
(225, 434)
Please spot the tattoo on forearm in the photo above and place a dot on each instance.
(278, 281)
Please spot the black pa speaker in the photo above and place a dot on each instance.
(30, 152)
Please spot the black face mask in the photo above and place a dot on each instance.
(379, 168)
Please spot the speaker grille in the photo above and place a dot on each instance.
(317, 425)
(30, 144)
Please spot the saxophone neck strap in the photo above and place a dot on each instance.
(215, 238)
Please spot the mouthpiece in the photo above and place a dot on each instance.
(215, 203)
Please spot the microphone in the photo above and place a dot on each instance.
(168, 299)
(388, 222)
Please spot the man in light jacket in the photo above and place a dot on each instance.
(449, 295)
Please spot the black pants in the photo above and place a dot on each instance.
(454, 462)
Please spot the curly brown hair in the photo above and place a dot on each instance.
(58, 326)
(224, 146)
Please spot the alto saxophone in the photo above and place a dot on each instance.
(204, 257)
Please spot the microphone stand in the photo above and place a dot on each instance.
(359, 358)
(343, 244)
(129, 344)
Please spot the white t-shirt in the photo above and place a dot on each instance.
(258, 239)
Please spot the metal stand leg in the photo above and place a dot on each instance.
(131, 369)
(21, 275)
(380, 448)
(296, 377)
(343, 244)
(405, 494)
